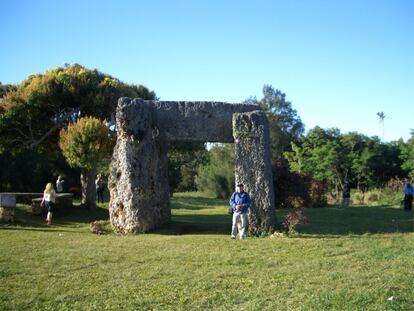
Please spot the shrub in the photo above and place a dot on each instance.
(100, 227)
(391, 197)
(385, 196)
(293, 219)
(395, 184)
(357, 197)
(372, 197)
(293, 190)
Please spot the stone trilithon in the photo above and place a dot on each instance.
(138, 181)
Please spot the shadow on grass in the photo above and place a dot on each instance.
(196, 224)
(195, 203)
(24, 219)
(192, 219)
(355, 220)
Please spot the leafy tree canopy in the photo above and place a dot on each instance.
(32, 114)
(284, 123)
(327, 155)
(407, 156)
(85, 143)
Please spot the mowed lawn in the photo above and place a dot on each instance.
(361, 258)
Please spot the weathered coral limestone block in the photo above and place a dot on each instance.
(138, 181)
(253, 167)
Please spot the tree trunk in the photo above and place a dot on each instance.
(88, 188)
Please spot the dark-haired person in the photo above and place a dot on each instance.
(408, 197)
(346, 194)
(240, 202)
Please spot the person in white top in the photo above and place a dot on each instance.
(59, 184)
(49, 199)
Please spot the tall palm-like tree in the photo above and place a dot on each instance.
(381, 115)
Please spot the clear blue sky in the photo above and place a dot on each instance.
(338, 61)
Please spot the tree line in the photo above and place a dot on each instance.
(36, 114)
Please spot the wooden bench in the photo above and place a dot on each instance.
(64, 201)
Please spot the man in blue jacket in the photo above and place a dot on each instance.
(240, 202)
(408, 197)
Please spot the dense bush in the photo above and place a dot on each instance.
(384, 196)
(293, 190)
(293, 219)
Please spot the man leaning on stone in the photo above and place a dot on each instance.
(240, 202)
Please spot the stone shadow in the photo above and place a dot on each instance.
(196, 224)
(25, 220)
(196, 203)
(355, 220)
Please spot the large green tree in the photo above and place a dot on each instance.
(284, 122)
(32, 114)
(327, 155)
(6, 88)
(407, 156)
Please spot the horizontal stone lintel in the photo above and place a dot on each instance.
(197, 121)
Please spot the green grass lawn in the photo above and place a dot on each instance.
(353, 259)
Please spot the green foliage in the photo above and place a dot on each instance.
(319, 156)
(407, 156)
(284, 123)
(217, 176)
(295, 190)
(6, 88)
(85, 143)
(327, 155)
(378, 197)
(30, 172)
(184, 160)
(32, 114)
(293, 219)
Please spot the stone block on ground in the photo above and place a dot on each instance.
(64, 202)
(7, 206)
(7, 200)
(6, 214)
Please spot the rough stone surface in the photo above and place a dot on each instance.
(253, 167)
(138, 181)
(197, 121)
(7, 200)
(7, 206)
(6, 214)
(26, 197)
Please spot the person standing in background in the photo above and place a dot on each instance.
(408, 197)
(346, 194)
(59, 184)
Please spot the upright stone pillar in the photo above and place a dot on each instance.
(253, 167)
(138, 181)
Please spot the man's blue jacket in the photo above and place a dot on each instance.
(240, 198)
